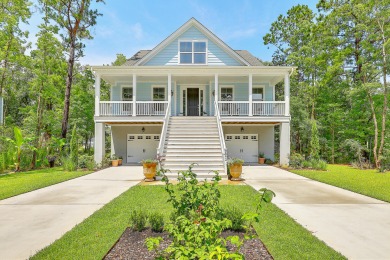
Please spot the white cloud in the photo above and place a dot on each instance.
(137, 31)
(241, 33)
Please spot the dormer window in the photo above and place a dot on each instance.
(192, 52)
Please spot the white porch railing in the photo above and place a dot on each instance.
(268, 108)
(125, 108)
(116, 108)
(259, 108)
(151, 108)
(233, 108)
(221, 137)
(160, 148)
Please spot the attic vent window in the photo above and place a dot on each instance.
(192, 52)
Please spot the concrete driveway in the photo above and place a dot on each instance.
(355, 225)
(32, 221)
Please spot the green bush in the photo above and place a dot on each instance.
(296, 160)
(138, 219)
(316, 164)
(235, 215)
(156, 221)
(68, 164)
(86, 162)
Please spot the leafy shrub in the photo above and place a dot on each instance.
(68, 164)
(296, 160)
(156, 221)
(138, 220)
(196, 230)
(86, 161)
(235, 161)
(235, 215)
(354, 152)
(74, 147)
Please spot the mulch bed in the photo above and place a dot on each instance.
(131, 245)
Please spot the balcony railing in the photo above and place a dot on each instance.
(259, 108)
(268, 108)
(125, 108)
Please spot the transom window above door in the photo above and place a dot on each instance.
(192, 52)
(127, 94)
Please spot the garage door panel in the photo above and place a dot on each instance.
(244, 146)
(140, 147)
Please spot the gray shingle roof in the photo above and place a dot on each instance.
(246, 55)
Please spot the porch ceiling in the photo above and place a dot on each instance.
(111, 74)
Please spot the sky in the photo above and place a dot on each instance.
(127, 26)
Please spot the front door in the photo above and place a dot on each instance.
(193, 101)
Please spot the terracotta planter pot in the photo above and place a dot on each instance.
(149, 171)
(119, 161)
(235, 171)
(261, 160)
(115, 163)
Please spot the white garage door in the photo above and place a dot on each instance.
(244, 146)
(141, 147)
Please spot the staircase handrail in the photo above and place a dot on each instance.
(221, 136)
(160, 148)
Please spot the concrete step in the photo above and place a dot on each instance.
(192, 154)
(191, 151)
(189, 146)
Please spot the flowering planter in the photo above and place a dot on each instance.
(119, 162)
(235, 171)
(149, 171)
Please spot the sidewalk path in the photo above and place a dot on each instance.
(32, 221)
(355, 225)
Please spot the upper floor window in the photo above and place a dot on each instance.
(226, 94)
(127, 94)
(158, 93)
(257, 94)
(192, 52)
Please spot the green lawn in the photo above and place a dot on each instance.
(17, 183)
(366, 182)
(91, 239)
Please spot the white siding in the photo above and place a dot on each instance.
(169, 55)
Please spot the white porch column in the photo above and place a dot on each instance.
(250, 95)
(284, 143)
(216, 88)
(287, 94)
(97, 94)
(134, 95)
(99, 144)
(169, 92)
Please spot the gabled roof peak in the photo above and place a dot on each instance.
(192, 22)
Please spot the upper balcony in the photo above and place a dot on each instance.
(242, 94)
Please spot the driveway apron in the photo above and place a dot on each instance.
(357, 226)
(34, 220)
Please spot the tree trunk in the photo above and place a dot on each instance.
(69, 80)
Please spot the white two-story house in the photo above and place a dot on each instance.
(192, 99)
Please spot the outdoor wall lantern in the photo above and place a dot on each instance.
(172, 93)
(242, 129)
(213, 93)
(143, 129)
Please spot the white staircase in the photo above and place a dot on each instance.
(193, 140)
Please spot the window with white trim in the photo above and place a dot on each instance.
(192, 52)
(226, 94)
(258, 94)
(127, 94)
(159, 93)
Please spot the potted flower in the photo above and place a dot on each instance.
(261, 158)
(235, 168)
(149, 166)
(120, 160)
(114, 160)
